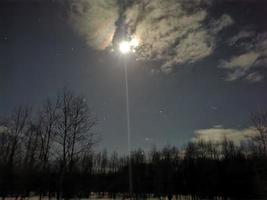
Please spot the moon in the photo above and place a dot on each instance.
(125, 47)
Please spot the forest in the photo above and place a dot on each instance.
(49, 152)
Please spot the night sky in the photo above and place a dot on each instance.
(41, 51)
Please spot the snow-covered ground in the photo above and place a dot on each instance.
(94, 197)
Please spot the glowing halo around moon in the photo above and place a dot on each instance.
(126, 47)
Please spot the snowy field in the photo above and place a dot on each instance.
(180, 197)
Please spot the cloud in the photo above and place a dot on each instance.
(239, 65)
(254, 77)
(254, 55)
(243, 61)
(221, 23)
(95, 20)
(244, 34)
(172, 31)
(194, 47)
(218, 134)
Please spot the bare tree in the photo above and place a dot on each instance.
(229, 150)
(13, 131)
(74, 130)
(47, 122)
(114, 162)
(259, 120)
(30, 141)
(5, 138)
(191, 151)
(15, 128)
(46, 130)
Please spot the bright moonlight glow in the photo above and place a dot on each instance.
(125, 47)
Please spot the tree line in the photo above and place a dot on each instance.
(50, 153)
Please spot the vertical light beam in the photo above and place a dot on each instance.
(128, 128)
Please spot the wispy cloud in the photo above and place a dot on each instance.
(254, 77)
(244, 34)
(254, 54)
(218, 134)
